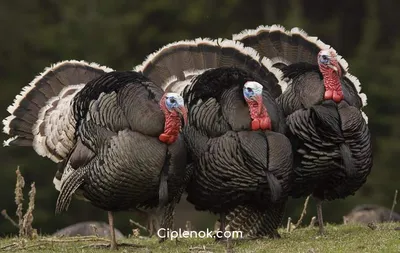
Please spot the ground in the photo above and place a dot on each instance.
(343, 238)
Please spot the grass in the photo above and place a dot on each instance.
(339, 238)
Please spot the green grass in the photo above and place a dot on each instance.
(343, 238)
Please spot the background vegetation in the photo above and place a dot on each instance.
(119, 34)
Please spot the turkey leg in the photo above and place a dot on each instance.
(112, 231)
(320, 219)
(222, 226)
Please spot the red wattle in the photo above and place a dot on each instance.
(168, 139)
(333, 86)
(259, 116)
(337, 96)
(255, 124)
(328, 94)
(265, 123)
(261, 124)
(172, 123)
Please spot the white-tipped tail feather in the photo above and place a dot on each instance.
(173, 84)
(54, 131)
(277, 72)
(6, 143)
(41, 115)
(25, 90)
(6, 123)
(306, 53)
(365, 116)
(174, 65)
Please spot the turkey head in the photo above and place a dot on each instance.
(331, 71)
(252, 92)
(173, 108)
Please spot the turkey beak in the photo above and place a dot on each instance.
(333, 67)
(182, 111)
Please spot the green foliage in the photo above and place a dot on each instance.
(120, 34)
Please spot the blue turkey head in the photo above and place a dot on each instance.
(252, 90)
(174, 102)
(328, 59)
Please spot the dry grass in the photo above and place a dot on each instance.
(24, 223)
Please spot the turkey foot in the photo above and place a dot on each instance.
(261, 123)
(220, 237)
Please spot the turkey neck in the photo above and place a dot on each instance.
(172, 127)
(333, 87)
(172, 123)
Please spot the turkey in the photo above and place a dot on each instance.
(323, 108)
(240, 157)
(115, 136)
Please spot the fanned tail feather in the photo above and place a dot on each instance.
(174, 65)
(286, 47)
(43, 108)
(293, 46)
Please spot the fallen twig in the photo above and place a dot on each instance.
(312, 222)
(34, 245)
(393, 205)
(303, 213)
(289, 225)
(75, 239)
(45, 241)
(9, 245)
(106, 245)
(139, 225)
(7, 217)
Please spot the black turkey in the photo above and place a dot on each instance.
(323, 106)
(240, 158)
(115, 136)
